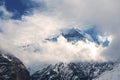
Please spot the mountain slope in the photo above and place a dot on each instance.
(12, 68)
(111, 75)
(73, 71)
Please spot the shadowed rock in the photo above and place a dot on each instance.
(11, 68)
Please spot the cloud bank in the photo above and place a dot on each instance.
(56, 15)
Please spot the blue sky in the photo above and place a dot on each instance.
(19, 7)
(16, 6)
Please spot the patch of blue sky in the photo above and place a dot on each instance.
(20, 7)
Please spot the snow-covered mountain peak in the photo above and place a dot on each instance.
(76, 34)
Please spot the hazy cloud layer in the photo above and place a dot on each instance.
(104, 14)
(60, 14)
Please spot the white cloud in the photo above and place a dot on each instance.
(104, 14)
(33, 30)
(58, 15)
(5, 13)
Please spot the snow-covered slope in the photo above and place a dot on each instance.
(73, 71)
(111, 75)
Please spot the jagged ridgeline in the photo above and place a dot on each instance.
(73, 71)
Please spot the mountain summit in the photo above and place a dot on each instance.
(76, 34)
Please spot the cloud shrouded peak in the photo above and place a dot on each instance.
(64, 21)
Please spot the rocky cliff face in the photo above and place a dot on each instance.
(11, 68)
(73, 71)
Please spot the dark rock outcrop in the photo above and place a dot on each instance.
(11, 68)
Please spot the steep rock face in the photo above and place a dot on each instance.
(12, 68)
(72, 71)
